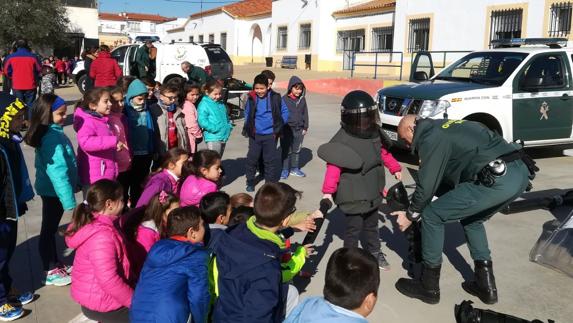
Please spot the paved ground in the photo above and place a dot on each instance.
(525, 289)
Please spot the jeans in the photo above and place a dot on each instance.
(217, 146)
(52, 211)
(8, 237)
(291, 144)
(140, 168)
(265, 146)
(365, 224)
(28, 97)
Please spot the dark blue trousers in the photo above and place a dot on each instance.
(8, 236)
(265, 146)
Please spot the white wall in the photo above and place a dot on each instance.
(84, 20)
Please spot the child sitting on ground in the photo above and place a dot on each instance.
(350, 290)
(174, 281)
(200, 176)
(167, 177)
(248, 261)
(216, 211)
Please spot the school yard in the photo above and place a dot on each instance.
(525, 289)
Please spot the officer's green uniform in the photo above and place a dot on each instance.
(452, 153)
(196, 75)
(142, 60)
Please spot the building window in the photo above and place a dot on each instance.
(191, 39)
(223, 41)
(350, 40)
(211, 38)
(152, 28)
(282, 37)
(419, 35)
(560, 22)
(304, 36)
(201, 38)
(505, 24)
(382, 39)
(133, 26)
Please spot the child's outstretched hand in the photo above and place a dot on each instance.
(307, 224)
(398, 175)
(309, 249)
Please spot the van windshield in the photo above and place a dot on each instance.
(490, 68)
(217, 55)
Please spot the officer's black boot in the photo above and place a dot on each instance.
(483, 285)
(426, 289)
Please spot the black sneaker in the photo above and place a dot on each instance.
(382, 262)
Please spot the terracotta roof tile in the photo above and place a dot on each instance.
(364, 8)
(241, 9)
(132, 16)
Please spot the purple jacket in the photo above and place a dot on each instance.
(162, 181)
(96, 148)
(194, 188)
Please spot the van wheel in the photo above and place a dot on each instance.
(488, 121)
(82, 83)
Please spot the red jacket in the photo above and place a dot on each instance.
(60, 66)
(104, 70)
(23, 68)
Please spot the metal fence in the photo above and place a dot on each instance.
(444, 57)
(349, 61)
(560, 22)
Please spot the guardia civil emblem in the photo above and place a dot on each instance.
(543, 109)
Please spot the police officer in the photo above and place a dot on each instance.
(355, 175)
(475, 173)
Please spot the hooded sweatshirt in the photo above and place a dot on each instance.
(139, 120)
(319, 310)
(173, 284)
(297, 108)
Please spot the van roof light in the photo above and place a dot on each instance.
(518, 42)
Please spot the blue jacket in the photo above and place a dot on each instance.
(249, 278)
(318, 310)
(213, 119)
(173, 284)
(56, 168)
(265, 116)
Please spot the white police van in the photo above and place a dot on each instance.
(522, 89)
(210, 57)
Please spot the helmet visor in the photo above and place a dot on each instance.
(363, 122)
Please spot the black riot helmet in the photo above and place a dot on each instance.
(359, 115)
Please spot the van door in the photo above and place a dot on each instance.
(130, 67)
(119, 55)
(542, 98)
(422, 68)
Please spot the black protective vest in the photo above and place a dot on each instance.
(362, 177)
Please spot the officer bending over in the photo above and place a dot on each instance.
(475, 173)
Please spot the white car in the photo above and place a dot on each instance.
(522, 90)
(210, 57)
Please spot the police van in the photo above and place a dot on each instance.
(521, 89)
(211, 57)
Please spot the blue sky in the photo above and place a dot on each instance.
(168, 8)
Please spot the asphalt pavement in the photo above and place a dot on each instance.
(525, 289)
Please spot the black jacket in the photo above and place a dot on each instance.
(276, 104)
(297, 108)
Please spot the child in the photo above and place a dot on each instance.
(248, 261)
(350, 290)
(167, 177)
(118, 123)
(48, 80)
(241, 199)
(192, 95)
(200, 176)
(152, 91)
(295, 129)
(170, 122)
(101, 281)
(265, 115)
(240, 214)
(354, 172)
(124, 82)
(216, 211)
(141, 137)
(97, 144)
(16, 190)
(56, 178)
(174, 283)
(213, 118)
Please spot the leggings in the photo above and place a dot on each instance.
(120, 315)
(52, 212)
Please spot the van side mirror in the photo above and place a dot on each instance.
(420, 76)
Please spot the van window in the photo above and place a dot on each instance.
(119, 53)
(217, 55)
(544, 72)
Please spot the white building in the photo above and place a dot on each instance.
(82, 30)
(122, 28)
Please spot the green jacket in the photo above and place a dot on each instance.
(213, 119)
(142, 60)
(451, 152)
(196, 75)
(56, 169)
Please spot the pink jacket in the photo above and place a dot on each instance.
(100, 279)
(147, 235)
(193, 190)
(332, 176)
(96, 148)
(118, 124)
(193, 128)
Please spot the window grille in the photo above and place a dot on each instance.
(560, 19)
(191, 39)
(304, 37)
(505, 24)
(282, 37)
(201, 38)
(382, 39)
(350, 40)
(419, 35)
(211, 38)
(224, 41)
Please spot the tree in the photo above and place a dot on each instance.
(44, 23)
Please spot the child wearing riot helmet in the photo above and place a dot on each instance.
(354, 173)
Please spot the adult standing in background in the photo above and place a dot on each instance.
(89, 55)
(23, 68)
(104, 69)
(142, 59)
